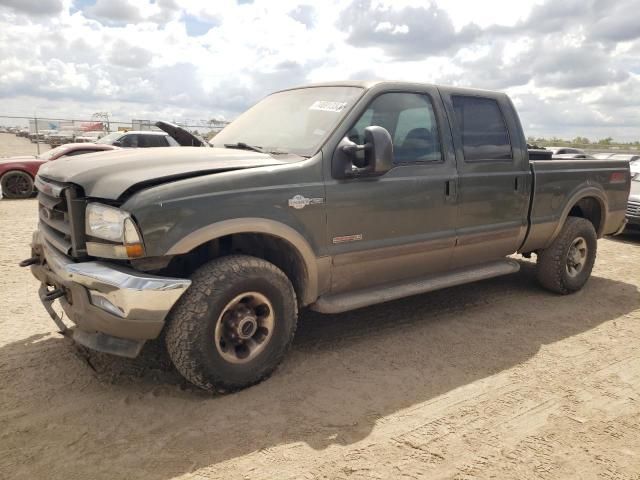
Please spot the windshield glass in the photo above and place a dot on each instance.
(109, 139)
(53, 153)
(295, 121)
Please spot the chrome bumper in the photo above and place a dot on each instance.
(107, 299)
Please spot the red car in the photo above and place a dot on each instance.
(17, 173)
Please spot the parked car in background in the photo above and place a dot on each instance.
(89, 137)
(138, 139)
(17, 173)
(564, 156)
(564, 150)
(633, 206)
(171, 136)
(603, 156)
(58, 138)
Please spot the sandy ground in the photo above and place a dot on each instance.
(12, 145)
(498, 379)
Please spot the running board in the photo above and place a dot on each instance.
(343, 302)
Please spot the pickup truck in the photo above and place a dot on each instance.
(330, 197)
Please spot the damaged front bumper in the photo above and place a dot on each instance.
(115, 309)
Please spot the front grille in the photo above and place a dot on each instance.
(61, 216)
(633, 209)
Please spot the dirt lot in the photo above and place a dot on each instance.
(492, 380)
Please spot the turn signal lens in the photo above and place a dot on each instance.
(135, 250)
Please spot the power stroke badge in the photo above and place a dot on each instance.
(298, 201)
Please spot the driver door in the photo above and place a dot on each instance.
(400, 225)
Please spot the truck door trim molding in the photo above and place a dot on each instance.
(256, 225)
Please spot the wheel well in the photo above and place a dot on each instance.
(13, 170)
(590, 209)
(273, 249)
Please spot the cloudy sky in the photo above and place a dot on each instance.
(571, 66)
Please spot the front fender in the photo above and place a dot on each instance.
(256, 225)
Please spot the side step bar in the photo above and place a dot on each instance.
(342, 302)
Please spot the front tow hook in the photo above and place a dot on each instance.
(47, 297)
(29, 261)
(53, 295)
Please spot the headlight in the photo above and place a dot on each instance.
(114, 225)
(105, 222)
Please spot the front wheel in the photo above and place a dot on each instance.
(566, 265)
(16, 184)
(233, 326)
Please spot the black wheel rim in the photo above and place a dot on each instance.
(17, 184)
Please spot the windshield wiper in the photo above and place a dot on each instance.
(244, 146)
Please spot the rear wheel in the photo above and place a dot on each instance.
(16, 184)
(233, 326)
(566, 265)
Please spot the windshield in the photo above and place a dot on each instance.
(109, 139)
(53, 153)
(294, 121)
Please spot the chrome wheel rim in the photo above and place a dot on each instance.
(577, 256)
(244, 328)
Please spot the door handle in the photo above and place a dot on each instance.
(450, 189)
(516, 184)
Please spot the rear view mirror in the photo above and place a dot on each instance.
(376, 157)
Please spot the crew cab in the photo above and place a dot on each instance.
(330, 197)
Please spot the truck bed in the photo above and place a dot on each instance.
(556, 182)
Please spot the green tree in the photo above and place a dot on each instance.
(581, 140)
(605, 141)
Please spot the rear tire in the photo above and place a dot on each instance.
(565, 266)
(233, 326)
(16, 184)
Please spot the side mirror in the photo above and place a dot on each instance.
(376, 157)
(117, 143)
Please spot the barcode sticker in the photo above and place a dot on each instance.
(326, 106)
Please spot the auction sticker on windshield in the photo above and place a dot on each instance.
(327, 106)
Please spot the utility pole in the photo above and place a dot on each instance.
(37, 136)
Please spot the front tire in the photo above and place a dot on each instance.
(565, 266)
(16, 184)
(233, 326)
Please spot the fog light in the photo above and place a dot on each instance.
(101, 302)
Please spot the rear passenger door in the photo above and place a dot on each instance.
(493, 177)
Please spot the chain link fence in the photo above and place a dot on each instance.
(58, 131)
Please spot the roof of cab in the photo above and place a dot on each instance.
(367, 84)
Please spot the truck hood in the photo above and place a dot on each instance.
(110, 174)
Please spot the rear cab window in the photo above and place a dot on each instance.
(482, 128)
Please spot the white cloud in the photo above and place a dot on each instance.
(569, 67)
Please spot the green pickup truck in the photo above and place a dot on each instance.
(330, 197)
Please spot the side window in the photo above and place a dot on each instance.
(484, 132)
(129, 141)
(144, 141)
(411, 121)
(156, 141)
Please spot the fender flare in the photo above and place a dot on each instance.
(582, 193)
(257, 225)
